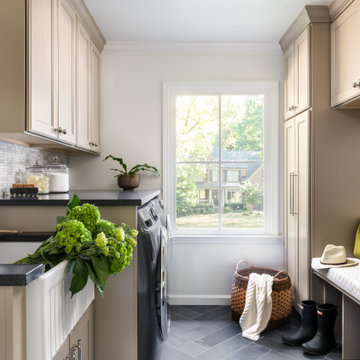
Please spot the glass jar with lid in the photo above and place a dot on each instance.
(59, 178)
(39, 176)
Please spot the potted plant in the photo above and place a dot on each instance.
(130, 179)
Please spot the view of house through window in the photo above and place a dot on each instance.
(220, 161)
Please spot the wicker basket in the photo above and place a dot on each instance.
(281, 294)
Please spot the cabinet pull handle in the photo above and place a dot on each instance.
(79, 347)
(291, 193)
(64, 131)
(356, 84)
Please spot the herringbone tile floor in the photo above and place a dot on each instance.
(208, 333)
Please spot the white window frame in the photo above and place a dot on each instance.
(270, 90)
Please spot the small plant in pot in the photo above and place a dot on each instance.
(130, 179)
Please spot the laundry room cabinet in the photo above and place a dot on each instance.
(297, 75)
(80, 341)
(297, 206)
(345, 58)
(53, 65)
(322, 194)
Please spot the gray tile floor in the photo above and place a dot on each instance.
(208, 333)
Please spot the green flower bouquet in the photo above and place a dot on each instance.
(93, 247)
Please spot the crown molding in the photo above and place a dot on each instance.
(337, 7)
(310, 14)
(89, 23)
(195, 48)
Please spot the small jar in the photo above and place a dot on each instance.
(39, 176)
(59, 178)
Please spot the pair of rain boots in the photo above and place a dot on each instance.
(316, 333)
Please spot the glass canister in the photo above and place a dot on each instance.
(59, 178)
(39, 176)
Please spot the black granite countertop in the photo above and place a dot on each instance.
(19, 274)
(96, 197)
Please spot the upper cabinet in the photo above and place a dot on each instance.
(297, 75)
(345, 58)
(55, 85)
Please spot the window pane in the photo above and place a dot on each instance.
(243, 199)
(197, 128)
(197, 196)
(242, 127)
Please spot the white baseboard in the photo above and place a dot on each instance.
(198, 299)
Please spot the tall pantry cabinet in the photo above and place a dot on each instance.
(322, 192)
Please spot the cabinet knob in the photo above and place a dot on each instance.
(356, 84)
(64, 131)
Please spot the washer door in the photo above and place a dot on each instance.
(162, 307)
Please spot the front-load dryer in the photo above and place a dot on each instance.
(153, 316)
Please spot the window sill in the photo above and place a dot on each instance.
(226, 239)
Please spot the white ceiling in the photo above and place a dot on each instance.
(196, 20)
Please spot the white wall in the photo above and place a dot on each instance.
(131, 127)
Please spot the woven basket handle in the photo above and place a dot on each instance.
(278, 273)
(242, 261)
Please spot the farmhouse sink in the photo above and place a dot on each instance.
(51, 313)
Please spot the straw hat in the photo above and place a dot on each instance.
(333, 256)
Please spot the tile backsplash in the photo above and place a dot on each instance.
(15, 158)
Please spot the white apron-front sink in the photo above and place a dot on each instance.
(51, 313)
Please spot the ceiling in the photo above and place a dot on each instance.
(196, 20)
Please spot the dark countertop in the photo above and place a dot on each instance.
(19, 274)
(96, 197)
(25, 237)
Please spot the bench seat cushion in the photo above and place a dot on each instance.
(346, 278)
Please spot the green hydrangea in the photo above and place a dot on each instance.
(88, 214)
(72, 234)
(107, 227)
(120, 234)
(101, 241)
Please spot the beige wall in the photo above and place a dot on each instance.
(131, 127)
(131, 106)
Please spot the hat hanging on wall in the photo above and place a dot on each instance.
(333, 256)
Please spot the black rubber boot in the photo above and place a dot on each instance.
(308, 326)
(324, 339)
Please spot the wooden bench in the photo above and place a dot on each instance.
(341, 286)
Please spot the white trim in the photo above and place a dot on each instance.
(271, 146)
(198, 299)
(224, 239)
(215, 48)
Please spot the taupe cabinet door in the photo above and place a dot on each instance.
(83, 87)
(297, 202)
(94, 98)
(345, 55)
(297, 75)
(66, 71)
(41, 119)
(289, 86)
(83, 331)
(82, 334)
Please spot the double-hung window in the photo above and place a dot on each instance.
(220, 151)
